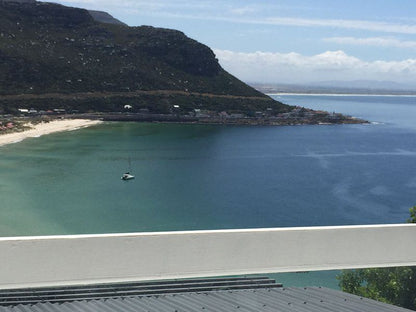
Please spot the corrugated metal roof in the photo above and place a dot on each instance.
(102, 291)
(221, 297)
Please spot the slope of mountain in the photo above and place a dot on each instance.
(104, 17)
(52, 55)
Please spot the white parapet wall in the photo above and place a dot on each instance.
(86, 259)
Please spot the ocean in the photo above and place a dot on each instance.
(192, 177)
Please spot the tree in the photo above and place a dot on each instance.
(392, 285)
(412, 218)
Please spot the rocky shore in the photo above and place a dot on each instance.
(15, 129)
(298, 116)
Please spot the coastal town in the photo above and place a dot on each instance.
(297, 116)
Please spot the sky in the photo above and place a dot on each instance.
(289, 41)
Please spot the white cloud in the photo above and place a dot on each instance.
(215, 10)
(243, 10)
(373, 41)
(347, 24)
(297, 68)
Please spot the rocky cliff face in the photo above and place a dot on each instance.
(48, 48)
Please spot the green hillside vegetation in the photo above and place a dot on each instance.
(49, 52)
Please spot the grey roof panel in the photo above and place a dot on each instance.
(90, 292)
(267, 298)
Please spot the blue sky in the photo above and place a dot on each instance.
(289, 41)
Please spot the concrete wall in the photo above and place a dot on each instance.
(82, 259)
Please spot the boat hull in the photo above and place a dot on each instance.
(126, 177)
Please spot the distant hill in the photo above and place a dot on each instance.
(339, 87)
(19, 1)
(52, 55)
(364, 85)
(104, 17)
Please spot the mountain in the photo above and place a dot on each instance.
(339, 87)
(56, 56)
(104, 17)
(364, 85)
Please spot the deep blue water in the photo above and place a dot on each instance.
(215, 177)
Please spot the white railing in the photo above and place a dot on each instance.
(85, 259)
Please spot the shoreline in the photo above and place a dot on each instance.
(298, 116)
(339, 94)
(74, 122)
(44, 128)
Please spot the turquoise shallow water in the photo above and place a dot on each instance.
(213, 177)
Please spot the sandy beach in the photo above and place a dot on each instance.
(44, 128)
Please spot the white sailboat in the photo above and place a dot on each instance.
(127, 175)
